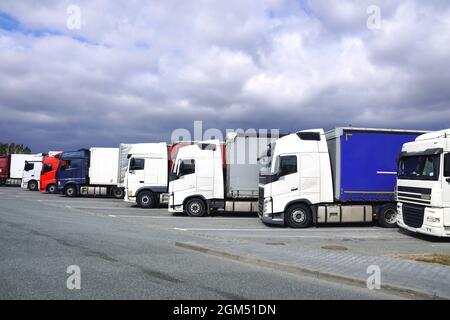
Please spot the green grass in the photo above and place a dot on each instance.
(443, 259)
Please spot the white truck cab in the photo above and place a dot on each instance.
(32, 173)
(197, 178)
(146, 180)
(423, 185)
(297, 170)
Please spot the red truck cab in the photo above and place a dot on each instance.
(4, 169)
(50, 165)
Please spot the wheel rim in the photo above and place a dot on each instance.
(70, 191)
(33, 186)
(51, 189)
(390, 216)
(195, 208)
(298, 216)
(145, 200)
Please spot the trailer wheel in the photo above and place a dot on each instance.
(146, 200)
(2, 182)
(117, 193)
(298, 216)
(195, 208)
(33, 186)
(387, 216)
(52, 189)
(71, 191)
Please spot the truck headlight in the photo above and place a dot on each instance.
(267, 206)
(433, 220)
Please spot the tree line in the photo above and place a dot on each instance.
(12, 148)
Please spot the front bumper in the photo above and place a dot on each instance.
(268, 217)
(129, 199)
(427, 230)
(433, 223)
(24, 184)
(273, 219)
(172, 207)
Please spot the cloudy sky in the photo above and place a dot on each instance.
(136, 70)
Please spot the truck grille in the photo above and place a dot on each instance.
(261, 201)
(413, 215)
(419, 196)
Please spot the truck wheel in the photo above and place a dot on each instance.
(52, 189)
(71, 191)
(195, 208)
(33, 186)
(298, 216)
(387, 216)
(117, 193)
(2, 182)
(146, 200)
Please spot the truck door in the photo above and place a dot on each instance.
(136, 174)
(186, 183)
(153, 172)
(71, 169)
(287, 185)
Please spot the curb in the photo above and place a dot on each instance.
(292, 269)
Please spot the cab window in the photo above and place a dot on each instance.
(47, 168)
(288, 165)
(186, 167)
(71, 164)
(137, 164)
(447, 165)
(66, 164)
(29, 166)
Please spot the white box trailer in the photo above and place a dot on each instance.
(18, 164)
(103, 166)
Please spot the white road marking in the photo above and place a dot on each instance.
(103, 208)
(275, 230)
(184, 218)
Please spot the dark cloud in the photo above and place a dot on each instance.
(135, 73)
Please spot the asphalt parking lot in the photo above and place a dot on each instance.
(130, 253)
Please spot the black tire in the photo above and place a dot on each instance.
(2, 182)
(387, 216)
(71, 191)
(33, 185)
(298, 216)
(195, 208)
(146, 200)
(52, 189)
(118, 193)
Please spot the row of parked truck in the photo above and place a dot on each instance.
(345, 175)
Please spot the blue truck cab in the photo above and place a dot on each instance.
(73, 171)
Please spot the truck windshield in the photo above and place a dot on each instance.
(419, 167)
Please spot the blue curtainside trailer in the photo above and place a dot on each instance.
(364, 162)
